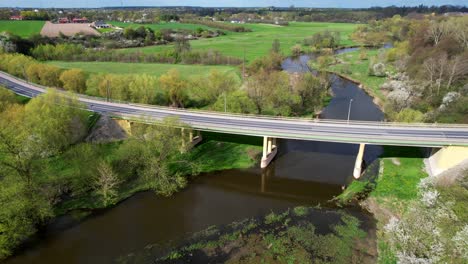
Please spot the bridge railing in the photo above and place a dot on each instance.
(253, 116)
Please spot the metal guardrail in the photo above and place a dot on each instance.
(251, 116)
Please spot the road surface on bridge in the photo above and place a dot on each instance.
(341, 131)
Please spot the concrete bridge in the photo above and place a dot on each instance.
(271, 128)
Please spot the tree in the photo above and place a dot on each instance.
(106, 183)
(218, 83)
(54, 121)
(271, 93)
(154, 153)
(236, 102)
(49, 75)
(18, 149)
(436, 31)
(74, 80)
(7, 98)
(144, 88)
(311, 91)
(23, 208)
(409, 115)
(181, 45)
(276, 46)
(175, 87)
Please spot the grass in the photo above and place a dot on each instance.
(143, 68)
(22, 28)
(162, 25)
(258, 42)
(22, 99)
(214, 155)
(354, 68)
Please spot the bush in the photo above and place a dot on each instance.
(296, 50)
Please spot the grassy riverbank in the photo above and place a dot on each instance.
(405, 201)
(210, 155)
(355, 66)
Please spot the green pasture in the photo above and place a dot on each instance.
(142, 68)
(160, 26)
(258, 42)
(21, 28)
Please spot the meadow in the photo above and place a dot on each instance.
(162, 25)
(154, 69)
(258, 42)
(21, 28)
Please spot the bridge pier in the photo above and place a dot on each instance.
(269, 151)
(358, 165)
(195, 140)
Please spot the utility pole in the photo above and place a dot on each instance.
(225, 103)
(349, 109)
(107, 90)
(243, 66)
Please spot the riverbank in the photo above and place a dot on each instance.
(354, 66)
(213, 154)
(403, 199)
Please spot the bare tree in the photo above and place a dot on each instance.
(436, 31)
(457, 68)
(106, 182)
(430, 68)
(459, 30)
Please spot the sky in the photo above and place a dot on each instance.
(225, 3)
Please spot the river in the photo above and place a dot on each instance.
(304, 173)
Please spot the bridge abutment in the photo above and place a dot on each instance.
(358, 165)
(269, 151)
(445, 159)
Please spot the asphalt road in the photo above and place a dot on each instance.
(378, 133)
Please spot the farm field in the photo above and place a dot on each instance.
(54, 30)
(258, 42)
(142, 68)
(21, 28)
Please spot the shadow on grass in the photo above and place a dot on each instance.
(240, 139)
(404, 152)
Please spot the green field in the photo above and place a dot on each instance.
(258, 42)
(21, 28)
(351, 66)
(162, 25)
(141, 68)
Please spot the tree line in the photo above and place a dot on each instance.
(267, 89)
(47, 134)
(431, 59)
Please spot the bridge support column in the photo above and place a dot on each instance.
(269, 151)
(358, 165)
(195, 140)
(445, 159)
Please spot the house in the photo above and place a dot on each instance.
(16, 18)
(100, 24)
(80, 20)
(63, 20)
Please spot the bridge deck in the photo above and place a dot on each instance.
(378, 133)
